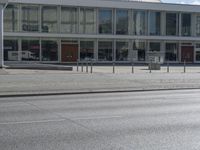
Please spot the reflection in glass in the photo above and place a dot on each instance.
(30, 50)
(121, 51)
(11, 18)
(198, 25)
(87, 20)
(172, 24)
(69, 20)
(171, 52)
(105, 51)
(140, 47)
(154, 23)
(30, 18)
(139, 22)
(186, 24)
(154, 46)
(49, 50)
(49, 19)
(10, 50)
(105, 21)
(121, 21)
(86, 50)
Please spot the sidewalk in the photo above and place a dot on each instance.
(20, 82)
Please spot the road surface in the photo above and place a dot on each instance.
(159, 120)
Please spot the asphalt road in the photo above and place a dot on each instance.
(162, 120)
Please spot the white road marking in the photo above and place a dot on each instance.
(96, 117)
(31, 122)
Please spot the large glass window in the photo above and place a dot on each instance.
(198, 25)
(105, 51)
(154, 23)
(11, 18)
(49, 50)
(186, 24)
(30, 50)
(30, 18)
(69, 20)
(88, 20)
(49, 19)
(171, 52)
(140, 49)
(121, 51)
(105, 21)
(86, 50)
(172, 24)
(11, 50)
(139, 22)
(154, 46)
(197, 52)
(121, 21)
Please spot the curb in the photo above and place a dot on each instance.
(93, 92)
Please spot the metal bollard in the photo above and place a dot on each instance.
(184, 66)
(132, 67)
(81, 66)
(91, 69)
(150, 67)
(167, 67)
(77, 67)
(87, 66)
(113, 67)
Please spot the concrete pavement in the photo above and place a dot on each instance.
(167, 120)
(20, 82)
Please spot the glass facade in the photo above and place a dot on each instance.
(49, 19)
(122, 21)
(121, 51)
(105, 51)
(172, 24)
(105, 21)
(198, 25)
(171, 52)
(11, 50)
(140, 47)
(88, 20)
(139, 22)
(154, 23)
(30, 50)
(11, 18)
(186, 24)
(69, 20)
(30, 18)
(49, 50)
(86, 50)
(154, 46)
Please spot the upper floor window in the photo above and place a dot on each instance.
(121, 21)
(198, 25)
(154, 23)
(49, 19)
(139, 22)
(30, 18)
(105, 21)
(172, 23)
(186, 24)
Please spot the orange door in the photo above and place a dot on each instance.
(69, 52)
(187, 53)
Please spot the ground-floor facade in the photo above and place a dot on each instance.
(70, 50)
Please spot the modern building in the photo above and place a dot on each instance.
(62, 31)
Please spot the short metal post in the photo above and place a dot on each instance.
(91, 69)
(150, 67)
(184, 66)
(132, 67)
(87, 66)
(113, 67)
(167, 67)
(81, 66)
(77, 66)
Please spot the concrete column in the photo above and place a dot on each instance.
(1, 37)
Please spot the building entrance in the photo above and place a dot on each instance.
(187, 54)
(69, 52)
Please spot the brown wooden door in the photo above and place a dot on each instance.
(187, 53)
(69, 52)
